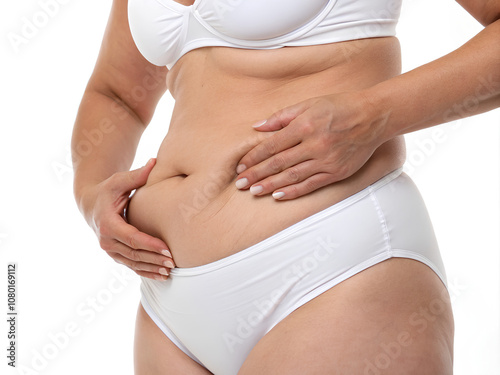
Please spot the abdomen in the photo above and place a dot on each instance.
(190, 200)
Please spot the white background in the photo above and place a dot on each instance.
(61, 267)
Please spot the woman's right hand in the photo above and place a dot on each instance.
(104, 205)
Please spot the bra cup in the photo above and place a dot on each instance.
(258, 19)
(156, 33)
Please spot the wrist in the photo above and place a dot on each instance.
(378, 112)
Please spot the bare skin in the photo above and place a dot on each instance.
(205, 217)
(189, 204)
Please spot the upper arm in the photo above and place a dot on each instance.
(122, 73)
(485, 11)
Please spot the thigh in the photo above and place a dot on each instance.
(390, 319)
(155, 354)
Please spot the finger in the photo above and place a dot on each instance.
(272, 167)
(142, 269)
(278, 142)
(135, 239)
(152, 276)
(280, 119)
(130, 180)
(290, 176)
(142, 256)
(277, 121)
(307, 186)
(140, 266)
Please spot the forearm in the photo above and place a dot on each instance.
(105, 139)
(463, 83)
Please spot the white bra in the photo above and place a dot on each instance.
(165, 30)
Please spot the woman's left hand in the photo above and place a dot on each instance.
(317, 142)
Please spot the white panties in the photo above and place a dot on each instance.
(216, 313)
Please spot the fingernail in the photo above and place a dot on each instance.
(278, 195)
(240, 168)
(163, 271)
(256, 189)
(166, 253)
(241, 183)
(168, 264)
(149, 162)
(160, 278)
(260, 123)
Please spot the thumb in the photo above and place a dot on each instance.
(280, 119)
(137, 177)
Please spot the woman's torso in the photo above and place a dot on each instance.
(190, 200)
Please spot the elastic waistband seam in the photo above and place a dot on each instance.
(382, 220)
